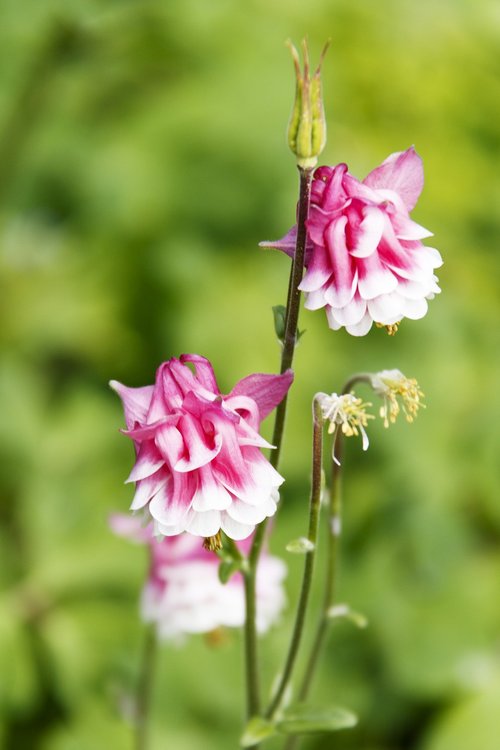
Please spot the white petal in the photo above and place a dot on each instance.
(351, 313)
(387, 308)
(204, 524)
(211, 496)
(147, 487)
(315, 300)
(233, 529)
(165, 511)
(415, 308)
(332, 319)
(361, 328)
(251, 514)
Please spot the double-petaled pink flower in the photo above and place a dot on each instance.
(183, 593)
(199, 466)
(365, 259)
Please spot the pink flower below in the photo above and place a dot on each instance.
(183, 593)
(199, 466)
(365, 259)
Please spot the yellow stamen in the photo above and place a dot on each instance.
(391, 329)
(213, 543)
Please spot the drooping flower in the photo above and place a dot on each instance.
(183, 593)
(395, 389)
(346, 411)
(365, 259)
(199, 466)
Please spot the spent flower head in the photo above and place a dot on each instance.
(346, 411)
(398, 392)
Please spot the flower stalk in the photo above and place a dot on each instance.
(289, 343)
(312, 536)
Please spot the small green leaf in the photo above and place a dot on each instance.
(303, 719)
(256, 730)
(279, 312)
(344, 610)
(300, 546)
(227, 568)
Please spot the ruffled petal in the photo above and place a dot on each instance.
(234, 529)
(210, 494)
(204, 371)
(343, 282)
(149, 460)
(198, 450)
(374, 277)
(147, 487)
(402, 172)
(266, 390)
(370, 231)
(135, 401)
(351, 314)
(361, 328)
(204, 524)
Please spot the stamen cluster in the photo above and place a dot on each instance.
(398, 393)
(346, 411)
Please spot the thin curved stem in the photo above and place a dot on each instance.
(145, 688)
(334, 520)
(314, 512)
(289, 343)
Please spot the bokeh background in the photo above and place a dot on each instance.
(142, 158)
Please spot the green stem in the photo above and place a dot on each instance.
(334, 530)
(293, 304)
(289, 343)
(314, 511)
(250, 631)
(145, 688)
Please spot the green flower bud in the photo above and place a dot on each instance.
(307, 126)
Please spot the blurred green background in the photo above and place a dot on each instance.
(142, 158)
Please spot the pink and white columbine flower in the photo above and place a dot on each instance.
(183, 593)
(199, 466)
(365, 259)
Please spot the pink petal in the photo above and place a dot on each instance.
(135, 401)
(204, 371)
(334, 194)
(147, 487)
(170, 444)
(318, 272)
(195, 441)
(343, 282)
(286, 244)
(210, 494)
(402, 172)
(266, 390)
(374, 277)
(245, 407)
(166, 394)
(170, 505)
(370, 232)
(148, 461)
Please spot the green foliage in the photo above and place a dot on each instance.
(142, 159)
